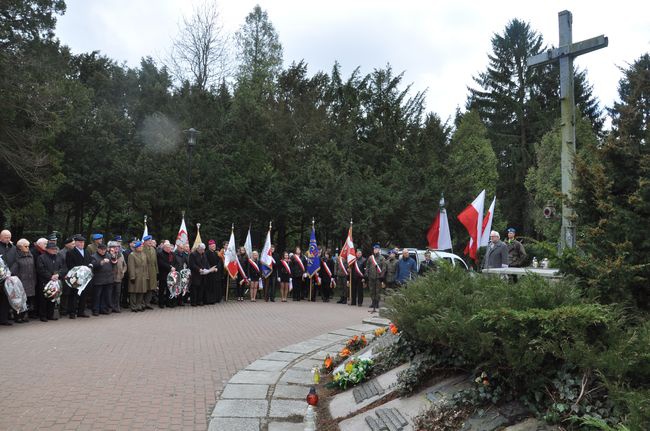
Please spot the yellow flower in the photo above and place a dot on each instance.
(337, 377)
(349, 366)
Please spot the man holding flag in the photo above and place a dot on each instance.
(269, 270)
(313, 262)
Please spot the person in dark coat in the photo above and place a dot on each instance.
(496, 255)
(182, 259)
(166, 261)
(327, 282)
(284, 276)
(427, 264)
(125, 281)
(77, 257)
(199, 268)
(242, 279)
(8, 254)
(49, 266)
(68, 244)
(103, 280)
(298, 274)
(271, 281)
(358, 269)
(24, 268)
(213, 281)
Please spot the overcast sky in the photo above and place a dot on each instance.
(439, 45)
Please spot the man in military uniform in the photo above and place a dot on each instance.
(516, 252)
(341, 274)
(149, 251)
(375, 274)
(391, 269)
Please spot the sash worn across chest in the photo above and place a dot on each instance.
(297, 259)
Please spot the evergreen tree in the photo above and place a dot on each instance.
(259, 51)
(471, 167)
(612, 201)
(519, 105)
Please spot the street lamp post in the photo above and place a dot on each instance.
(192, 135)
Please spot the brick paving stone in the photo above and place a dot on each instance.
(154, 370)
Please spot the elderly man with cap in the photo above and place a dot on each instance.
(516, 251)
(103, 279)
(152, 265)
(49, 266)
(138, 277)
(119, 269)
(77, 257)
(375, 274)
(97, 238)
(496, 255)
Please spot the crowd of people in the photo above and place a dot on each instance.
(133, 275)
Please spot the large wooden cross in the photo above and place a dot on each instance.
(565, 54)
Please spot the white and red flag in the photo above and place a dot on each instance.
(230, 258)
(487, 225)
(438, 236)
(182, 237)
(472, 218)
(347, 252)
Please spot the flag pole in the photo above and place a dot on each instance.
(229, 277)
(311, 276)
(442, 208)
(350, 269)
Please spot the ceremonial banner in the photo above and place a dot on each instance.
(313, 254)
(472, 219)
(347, 253)
(197, 241)
(146, 230)
(231, 261)
(438, 236)
(182, 237)
(248, 245)
(267, 256)
(487, 225)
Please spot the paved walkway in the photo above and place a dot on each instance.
(269, 394)
(160, 369)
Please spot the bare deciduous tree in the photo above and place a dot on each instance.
(200, 52)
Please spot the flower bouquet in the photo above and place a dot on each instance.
(355, 372)
(356, 343)
(16, 294)
(184, 284)
(4, 270)
(78, 278)
(173, 283)
(52, 290)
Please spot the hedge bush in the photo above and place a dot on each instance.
(542, 342)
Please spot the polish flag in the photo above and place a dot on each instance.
(439, 237)
(182, 237)
(487, 225)
(472, 219)
(231, 261)
(347, 252)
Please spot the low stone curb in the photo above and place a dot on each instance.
(269, 394)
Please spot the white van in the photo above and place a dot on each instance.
(418, 255)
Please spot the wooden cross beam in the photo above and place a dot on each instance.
(565, 54)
